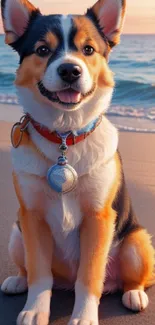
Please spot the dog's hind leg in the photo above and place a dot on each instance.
(16, 284)
(137, 265)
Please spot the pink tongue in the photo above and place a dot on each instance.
(69, 96)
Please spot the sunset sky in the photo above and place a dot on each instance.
(140, 18)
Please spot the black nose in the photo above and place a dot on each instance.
(69, 72)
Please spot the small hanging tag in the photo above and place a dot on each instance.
(62, 177)
(18, 129)
(16, 135)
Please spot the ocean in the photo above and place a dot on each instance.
(133, 63)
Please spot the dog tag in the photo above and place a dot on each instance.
(16, 135)
(62, 177)
(18, 129)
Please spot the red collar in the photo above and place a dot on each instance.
(52, 136)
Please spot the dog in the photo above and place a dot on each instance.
(76, 226)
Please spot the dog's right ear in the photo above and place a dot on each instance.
(16, 16)
(109, 17)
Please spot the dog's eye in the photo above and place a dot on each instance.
(43, 51)
(88, 50)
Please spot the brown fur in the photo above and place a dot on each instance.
(52, 40)
(37, 237)
(87, 35)
(30, 7)
(31, 71)
(96, 235)
(137, 259)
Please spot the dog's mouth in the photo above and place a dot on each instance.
(67, 96)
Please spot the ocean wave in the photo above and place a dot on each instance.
(129, 111)
(134, 129)
(6, 78)
(8, 99)
(114, 110)
(122, 114)
(136, 85)
(126, 93)
(129, 93)
(132, 63)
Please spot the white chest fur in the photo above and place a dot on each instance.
(64, 217)
(64, 213)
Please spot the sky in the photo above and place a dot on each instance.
(140, 17)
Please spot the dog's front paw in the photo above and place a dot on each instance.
(33, 317)
(14, 285)
(78, 321)
(136, 300)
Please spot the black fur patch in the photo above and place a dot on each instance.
(126, 221)
(72, 34)
(37, 32)
(38, 26)
(61, 46)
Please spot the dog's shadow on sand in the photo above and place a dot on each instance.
(63, 302)
(111, 311)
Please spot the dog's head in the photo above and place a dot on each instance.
(63, 59)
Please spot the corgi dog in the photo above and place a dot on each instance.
(76, 227)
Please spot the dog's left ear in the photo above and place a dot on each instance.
(109, 16)
(16, 16)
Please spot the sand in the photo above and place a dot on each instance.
(138, 153)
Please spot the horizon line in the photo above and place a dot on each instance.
(138, 34)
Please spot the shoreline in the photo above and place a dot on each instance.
(13, 112)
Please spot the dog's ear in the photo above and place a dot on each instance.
(109, 15)
(16, 16)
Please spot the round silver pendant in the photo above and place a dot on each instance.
(62, 178)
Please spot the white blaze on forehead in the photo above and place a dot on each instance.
(66, 22)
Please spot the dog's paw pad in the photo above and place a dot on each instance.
(136, 300)
(33, 318)
(77, 321)
(14, 285)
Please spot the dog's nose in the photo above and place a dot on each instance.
(69, 72)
